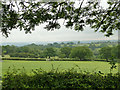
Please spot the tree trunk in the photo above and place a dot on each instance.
(107, 59)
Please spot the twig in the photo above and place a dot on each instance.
(17, 5)
(106, 15)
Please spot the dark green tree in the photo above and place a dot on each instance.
(62, 43)
(70, 43)
(81, 52)
(65, 51)
(8, 49)
(105, 52)
(78, 42)
(49, 52)
(92, 46)
(55, 44)
(115, 51)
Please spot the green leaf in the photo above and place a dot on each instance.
(109, 2)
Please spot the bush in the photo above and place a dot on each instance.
(54, 79)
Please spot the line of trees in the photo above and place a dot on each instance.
(109, 52)
(79, 52)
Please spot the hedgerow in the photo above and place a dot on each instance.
(51, 59)
(54, 79)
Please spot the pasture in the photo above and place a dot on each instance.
(91, 66)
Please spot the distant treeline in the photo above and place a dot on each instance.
(78, 51)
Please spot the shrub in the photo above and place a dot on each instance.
(54, 79)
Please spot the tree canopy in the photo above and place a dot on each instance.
(81, 52)
(106, 53)
(66, 51)
(49, 52)
(28, 14)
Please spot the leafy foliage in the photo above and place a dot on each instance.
(61, 50)
(106, 53)
(54, 79)
(81, 52)
(113, 64)
(31, 14)
(66, 51)
(49, 52)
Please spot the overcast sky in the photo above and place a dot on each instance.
(62, 34)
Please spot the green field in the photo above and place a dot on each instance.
(0, 68)
(92, 66)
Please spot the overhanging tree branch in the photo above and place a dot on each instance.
(27, 17)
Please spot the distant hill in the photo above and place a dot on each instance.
(44, 43)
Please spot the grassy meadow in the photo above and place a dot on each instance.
(91, 66)
(0, 68)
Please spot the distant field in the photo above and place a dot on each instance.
(92, 66)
